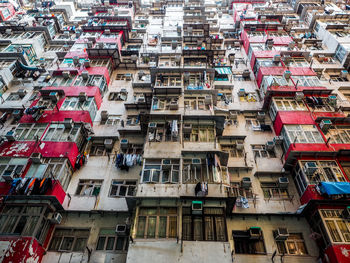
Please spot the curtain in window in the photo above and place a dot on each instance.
(197, 228)
(172, 227)
(162, 227)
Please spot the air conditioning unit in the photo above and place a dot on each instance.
(152, 126)
(196, 161)
(108, 143)
(197, 207)
(104, 115)
(310, 168)
(107, 32)
(239, 146)
(21, 93)
(269, 145)
(124, 143)
(260, 116)
(287, 74)
(141, 99)
(278, 140)
(299, 96)
(68, 123)
(283, 182)
(281, 234)
(66, 74)
(246, 73)
(344, 73)
(174, 105)
(82, 96)
(55, 218)
(85, 74)
(241, 92)
(54, 97)
(36, 158)
(187, 128)
(8, 31)
(121, 230)
(332, 100)
(11, 136)
(325, 125)
(346, 212)
(255, 233)
(207, 99)
(276, 58)
(246, 182)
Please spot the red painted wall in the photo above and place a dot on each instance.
(338, 253)
(21, 249)
(310, 194)
(57, 191)
(292, 117)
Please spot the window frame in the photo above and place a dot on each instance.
(85, 184)
(123, 183)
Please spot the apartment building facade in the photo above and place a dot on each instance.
(174, 131)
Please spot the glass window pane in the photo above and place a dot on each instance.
(110, 243)
(209, 228)
(141, 227)
(151, 227)
(220, 229)
(172, 227)
(67, 243)
(80, 244)
(120, 243)
(197, 228)
(101, 243)
(186, 228)
(162, 227)
(10, 224)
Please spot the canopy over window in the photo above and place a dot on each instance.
(335, 188)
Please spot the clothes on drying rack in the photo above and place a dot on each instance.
(125, 161)
(30, 186)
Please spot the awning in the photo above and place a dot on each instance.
(223, 71)
(335, 188)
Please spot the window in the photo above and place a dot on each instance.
(57, 167)
(89, 187)
(326, 171)
(73, 103)
(197, 170)
(307, 81)
(61, 82)
(164, 132)
(20, 220)
(169, 81)
(92, 80)
(12, 167)
(252, 123)
(272, 191)
(337, 227)
(244, 244)
(340, 53)
(158, 222)
(108, 240)
(300, 134)
(164, 103)
(288, 104)
(122, 188)
(210, 226)
(113, 120)
(195, 103)
(13, 97)
(318, 104)
(233, 151)
(260, 151)
(161, 171)
(58, 133)
(236, 190)
(339, 134)
(200, 134)
(298, 62)
(65, 239)
(294, 245)
(30, 131)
